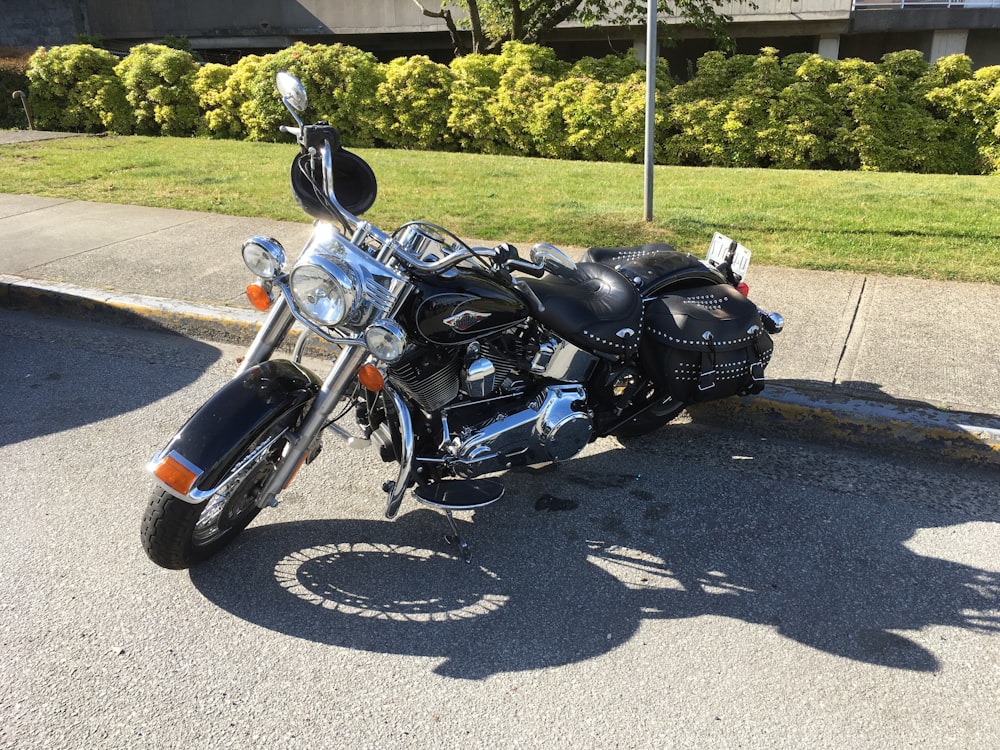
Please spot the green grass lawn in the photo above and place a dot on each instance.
(928, 226)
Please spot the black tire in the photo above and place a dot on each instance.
(177, 534)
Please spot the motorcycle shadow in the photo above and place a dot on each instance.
(573, 560)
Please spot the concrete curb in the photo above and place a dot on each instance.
(781, 410)
(215, 322)
(919, 429)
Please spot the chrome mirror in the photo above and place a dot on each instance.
(293, 93)
(551, 258)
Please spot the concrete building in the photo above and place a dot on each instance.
(225, 29)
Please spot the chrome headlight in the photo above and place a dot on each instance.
(386, 340)
(264, 257)
(323, 291)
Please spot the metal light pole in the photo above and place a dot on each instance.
(24, 103)
(651, 57)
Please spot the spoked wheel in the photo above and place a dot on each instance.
(177, 534)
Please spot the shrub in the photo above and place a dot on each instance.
(159, 84)
(74, 88)
(968, 103)
(586, 117)
(895, 127)
(528, 72)
(989, 124)
(955, 147)
(800, 111)
(13, 77)
(563, 120)
(808, 129)
(414, 101)
(714, 78)
(694, 134)
(236, 113)
(341, 81)
(725, 119)
(210, 86)
(343, 87)
(474, 85)
(628, 116)
(610, 69)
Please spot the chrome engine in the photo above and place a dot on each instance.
(554, 426)
(502, 402)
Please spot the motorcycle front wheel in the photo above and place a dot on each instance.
(177, 534)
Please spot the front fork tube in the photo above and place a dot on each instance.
(270, 335)
(300, 440)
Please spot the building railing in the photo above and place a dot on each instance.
(888, 4)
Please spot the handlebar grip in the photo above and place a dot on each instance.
(525, 267)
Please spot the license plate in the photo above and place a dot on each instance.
(718, 253)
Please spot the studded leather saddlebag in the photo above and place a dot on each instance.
(705, 343)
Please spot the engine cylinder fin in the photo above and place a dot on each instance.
(432, 386)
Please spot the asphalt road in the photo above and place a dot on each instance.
(699, 589)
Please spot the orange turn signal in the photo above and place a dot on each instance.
(371, 378)
(259, 297)
(175, 475)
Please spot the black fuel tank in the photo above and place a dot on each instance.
(464, 306)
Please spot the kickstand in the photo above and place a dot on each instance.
(456, 538)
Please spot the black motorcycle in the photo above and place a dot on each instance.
(452, 361)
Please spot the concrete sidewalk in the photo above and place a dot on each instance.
(899, 363)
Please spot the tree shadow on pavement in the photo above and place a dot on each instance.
(573, 560)
(71, 372)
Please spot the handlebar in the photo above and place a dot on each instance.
(314, 139)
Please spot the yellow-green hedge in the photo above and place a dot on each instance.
(799, 111)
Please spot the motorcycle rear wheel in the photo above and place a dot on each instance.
(177, 534)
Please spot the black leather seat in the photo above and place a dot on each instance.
(613, 256)
(593, 307)
(652, 267)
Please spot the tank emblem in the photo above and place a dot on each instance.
(466, 319)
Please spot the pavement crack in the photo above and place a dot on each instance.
(850, 330)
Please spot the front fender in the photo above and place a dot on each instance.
(215, 436)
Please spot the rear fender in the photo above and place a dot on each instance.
(203, 449)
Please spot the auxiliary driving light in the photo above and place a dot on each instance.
(386, 340)
(264, 257)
